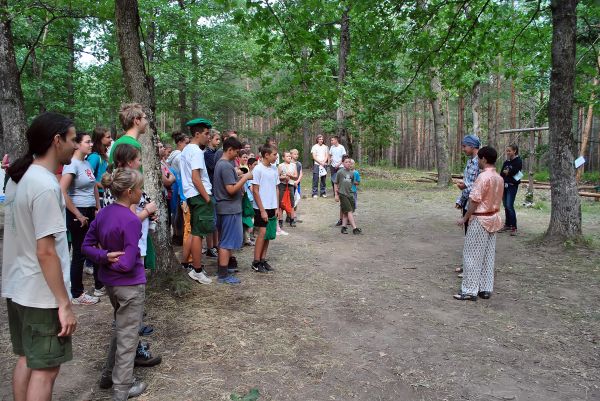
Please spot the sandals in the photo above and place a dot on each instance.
(465, 297)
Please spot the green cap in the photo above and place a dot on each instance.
(197, 121)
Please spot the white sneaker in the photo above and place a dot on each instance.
(100, 292)
(85, 299)
(88, 270)
(199, 277)
(281, 232)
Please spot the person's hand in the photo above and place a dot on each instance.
(67, 319)
(264, 215)
(457, 206)
(113, 257)
(207, 199)
(461, 185)
(151, 207)
(153, 216)
(82, 219)
(460, 222)
(505, 171)
(278, 213)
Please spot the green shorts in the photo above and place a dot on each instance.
(33, 333)
(202, 216)
(346, 203)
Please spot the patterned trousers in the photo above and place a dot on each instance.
(478, 259)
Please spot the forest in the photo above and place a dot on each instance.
(400, 82)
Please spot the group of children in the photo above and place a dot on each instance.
(226, 191)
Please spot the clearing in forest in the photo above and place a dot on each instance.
(369, 317)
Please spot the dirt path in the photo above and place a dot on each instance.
(368, 318)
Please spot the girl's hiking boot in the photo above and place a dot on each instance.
(144, 358)
(344, 230)
(356, 231)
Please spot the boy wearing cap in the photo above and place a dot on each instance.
(198, 189)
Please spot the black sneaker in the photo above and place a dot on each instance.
(356, 231)
(255, 265)
(267, 266)
(212, 253)
(287, 219)
(292, 223)
(344, 230)
(259, 267)
(105, 380)
(144, 358)
(339, 223)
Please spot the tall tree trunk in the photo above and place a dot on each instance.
(344, 51)
(460, 127)
(71, 74)
(513, 109)
(194, 88)
(149, 45)
(585, 136)
(181, 88)
(494, 138)
(12, 109)
(440, 132)
(565, 215)
(476, 108)
(137, 85)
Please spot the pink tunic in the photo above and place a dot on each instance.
(487, 193)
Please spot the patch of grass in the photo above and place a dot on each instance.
(591, 177)
(543, 175)
(383, 184)
(175, 282)
(252, 395)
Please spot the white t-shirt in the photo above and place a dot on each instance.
(319, 152)
(267, 179)
(34, 209)
(336, 153)
(192, 158)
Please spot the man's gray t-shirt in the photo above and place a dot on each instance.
(81, 190)
(225, 175)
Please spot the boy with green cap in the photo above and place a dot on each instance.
(198, 189)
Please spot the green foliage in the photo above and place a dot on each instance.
(543, 175)
(279, 60)
(252, 395)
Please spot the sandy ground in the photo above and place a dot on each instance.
(368, 317)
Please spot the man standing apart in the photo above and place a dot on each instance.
(36, 265)
(480, 242)
(336, 152)
(470, 146)
(320, 154)
(197, 190)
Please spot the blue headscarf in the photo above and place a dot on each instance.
(471, 140)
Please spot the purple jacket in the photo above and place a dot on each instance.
(116, 229)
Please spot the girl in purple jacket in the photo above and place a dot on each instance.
(112, 243)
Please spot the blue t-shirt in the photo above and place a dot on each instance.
(356, 179)
(98, 164)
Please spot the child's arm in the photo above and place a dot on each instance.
(335, 191)
(197, 181)
(299, 176)
(255, 192)
(131, 236)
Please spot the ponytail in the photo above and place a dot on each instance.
(40, 135)
(19, 167)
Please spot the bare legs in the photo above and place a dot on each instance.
(33, 384)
